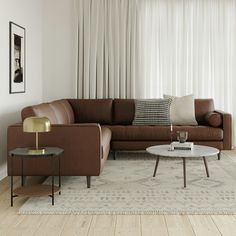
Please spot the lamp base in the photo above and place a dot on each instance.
(36, 151)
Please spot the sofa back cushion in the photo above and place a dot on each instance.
(100, 111)
(124, 110)
(202, 107)
(58, 112)
(92, 110)
(63, 111)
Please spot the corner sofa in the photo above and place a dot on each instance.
(87, 129)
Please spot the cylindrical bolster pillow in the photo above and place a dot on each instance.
(213, 119)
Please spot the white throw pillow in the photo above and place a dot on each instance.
(182, 110)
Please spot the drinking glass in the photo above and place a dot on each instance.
(182, 136)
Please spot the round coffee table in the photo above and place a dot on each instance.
(197, 151)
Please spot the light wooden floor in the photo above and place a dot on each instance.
(108, 225)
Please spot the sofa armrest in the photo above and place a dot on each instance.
(81, 144)
(227, 129)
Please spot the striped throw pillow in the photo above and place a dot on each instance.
(152, 112)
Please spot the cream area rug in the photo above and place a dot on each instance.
(126, 186)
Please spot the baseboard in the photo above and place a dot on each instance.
(3, 171)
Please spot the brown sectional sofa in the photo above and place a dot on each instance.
(88, 128)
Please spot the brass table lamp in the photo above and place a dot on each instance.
(36, 125)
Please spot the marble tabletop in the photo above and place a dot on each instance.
(197, 151)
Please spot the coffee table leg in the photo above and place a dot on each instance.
(206, 167)
(184, 170)
(155, 170)
(218, 155)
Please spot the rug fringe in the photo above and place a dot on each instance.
(125, 213)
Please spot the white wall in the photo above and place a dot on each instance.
(59, 49)
(27, 13)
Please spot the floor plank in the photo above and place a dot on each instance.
(102, 225)
(19, 232)
(48, 231)
(203, 225)
(30, 221)
(77, 225)
(101, 231)
(51, 225)
(10, 220)
(71, 231)
(54, 221)
(128, 225)
(226, 224)
(179, 225)
(152, 225)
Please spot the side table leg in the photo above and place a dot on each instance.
(11, 189)
(52, 181)
(206, 167)
(59, 174)
(53, 190)
(184, 170)
(22, 171)
(219, 155)
(11, 181)
(155, 170)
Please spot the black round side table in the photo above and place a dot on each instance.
(36, 190)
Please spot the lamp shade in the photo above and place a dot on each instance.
(36, 124)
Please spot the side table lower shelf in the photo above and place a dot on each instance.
(37, 190)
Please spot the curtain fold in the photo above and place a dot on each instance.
(108, 50)
(189, 47)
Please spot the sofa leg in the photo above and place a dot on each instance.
(218, 156)
(88, 181)
(114, 155)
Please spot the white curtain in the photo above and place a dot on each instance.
(107, 46)
(189, 46)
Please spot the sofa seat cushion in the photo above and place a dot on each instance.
(105, 135)
(142, 133)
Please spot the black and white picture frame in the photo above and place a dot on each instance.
(17, 58)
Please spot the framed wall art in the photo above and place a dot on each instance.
(17, 58)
